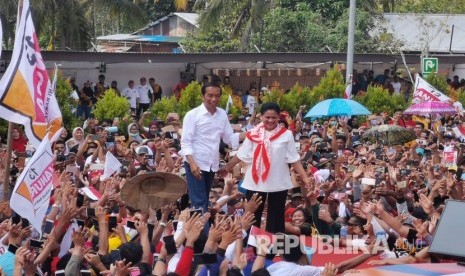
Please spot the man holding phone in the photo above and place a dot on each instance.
(204, 127)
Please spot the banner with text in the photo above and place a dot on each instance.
(31, 195)
(426, 92)
(26, 94)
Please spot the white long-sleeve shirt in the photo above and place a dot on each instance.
(201, 136)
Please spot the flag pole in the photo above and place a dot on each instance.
(9, 142)
(6, 176)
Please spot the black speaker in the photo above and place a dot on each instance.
(448, 240)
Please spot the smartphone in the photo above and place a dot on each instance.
(368, 181)
(95, 137)
(90, 212)
(170, 244)
(130, 224)
(401, 184)
(322, 146)
(36, 243)
(112, 223)
(357, 190)
(297, 146)
(12, 248)
(95, 223)
(24, 223)
(115, 255)
(85, 272)
(79, 200)
(413, 163)
(175, 224)
(192, 212)
(205, 258)
(16, 219)
(355, 133)
(405, 172)
(48, 226)
(109, 145)
(151, 227)
(80, 223)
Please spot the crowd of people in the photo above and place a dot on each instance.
(287, 176)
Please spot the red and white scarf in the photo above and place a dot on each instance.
(262, 154)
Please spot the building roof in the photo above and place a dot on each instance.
(443, 32)
(140, 38)
(191, 18)
(232, 57)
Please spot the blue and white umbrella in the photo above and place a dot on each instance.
(337, 107)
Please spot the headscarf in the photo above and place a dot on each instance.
(134, 136)
(149, 134)
(262, 154)
(73, 141)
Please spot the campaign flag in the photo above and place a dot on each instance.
(228, 104)
(91, 193)
(256, 232)
(348, 91)
(112, 165)
(459, 132)
(26, 94)
(426, 92)
(31, 194)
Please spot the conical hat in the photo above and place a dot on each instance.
(153, 189)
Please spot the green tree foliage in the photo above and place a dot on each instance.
(161, 108)
(295, 30)
(191, 97)
(215, 39)
(377, 100)
(111, 106)
(332, 85)
(439, 82)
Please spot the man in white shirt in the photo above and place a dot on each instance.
(145, 96)
(132, 94)
(396, 85)
(203, 127)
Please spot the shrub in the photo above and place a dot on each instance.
(191, 97)
(66, 103)
(377, 100)
(111, 106)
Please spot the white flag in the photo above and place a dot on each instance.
(26, 95)
(426, 92)
(31, 195)
(228, 104)
(112, 165)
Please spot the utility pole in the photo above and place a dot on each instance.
(350, 41)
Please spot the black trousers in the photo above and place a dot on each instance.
(275, 213)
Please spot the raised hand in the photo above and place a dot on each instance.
(253, 204)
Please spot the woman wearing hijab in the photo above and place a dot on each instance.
(76, 139)
(19, 140)
(268, 150)
(134, 134)
(153, 131)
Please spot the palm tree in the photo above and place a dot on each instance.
(249, 16)
(8, 18)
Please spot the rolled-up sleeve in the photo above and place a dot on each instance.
(292, 155)
(188, 132)
(229, 137)
(245, 152)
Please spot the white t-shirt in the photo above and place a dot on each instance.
(144, 94)
(282, 153)
(250, 103)
(396, 87)
(131, 94)
(288, 268)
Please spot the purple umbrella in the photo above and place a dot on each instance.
(428, 108)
